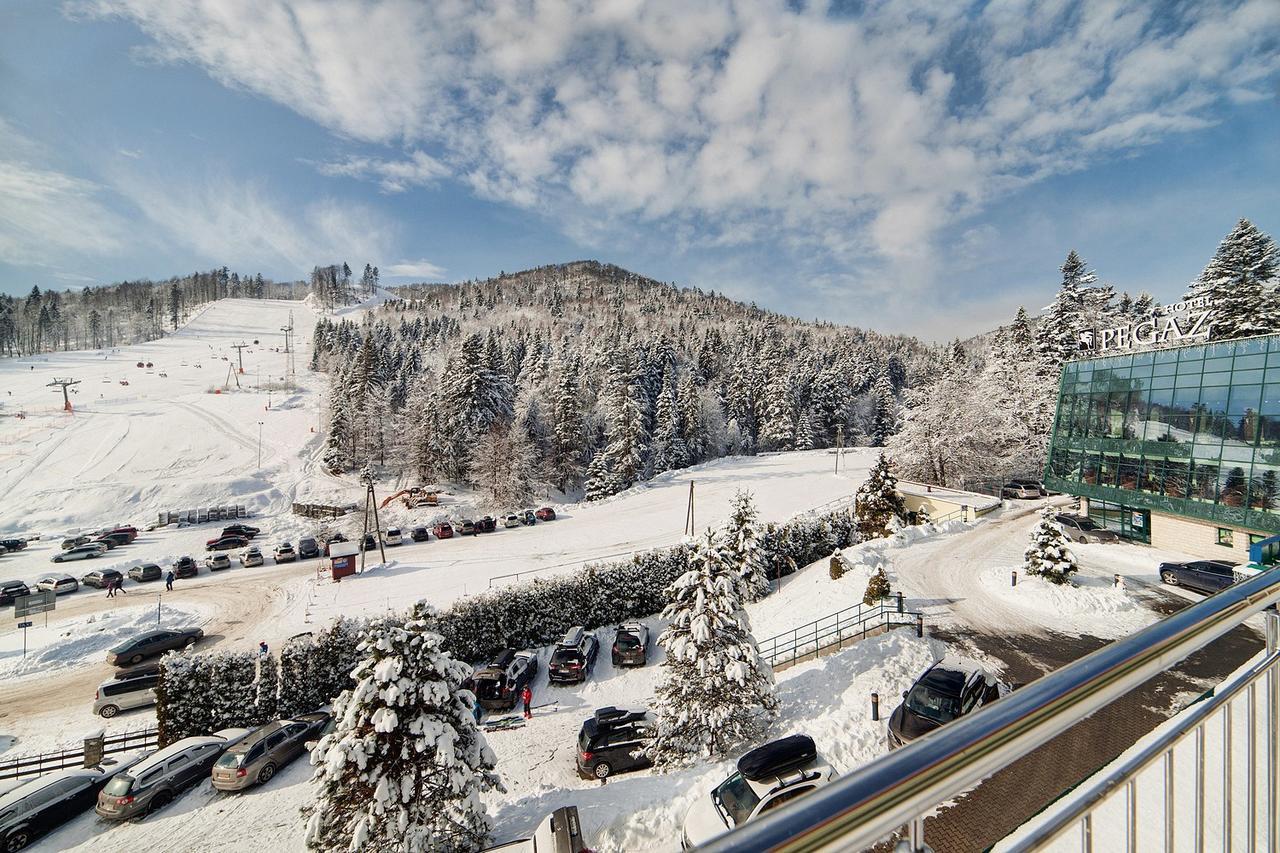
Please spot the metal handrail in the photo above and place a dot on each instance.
(864, 807)
(812, 637)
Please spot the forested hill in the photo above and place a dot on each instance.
(599, 377)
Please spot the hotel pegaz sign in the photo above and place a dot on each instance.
(1183, 322)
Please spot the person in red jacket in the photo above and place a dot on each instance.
(526, 696)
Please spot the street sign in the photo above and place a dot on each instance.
(24, 624)
(36, 602)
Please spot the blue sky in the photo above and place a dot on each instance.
(918, 166)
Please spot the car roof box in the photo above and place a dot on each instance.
(610, 713)
(503, 659)
(573, 636)
(776, 758)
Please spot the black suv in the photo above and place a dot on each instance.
(185, 567)
(949, 689)
(10, 590)
(488, 524)
(631, 644)
(244, 530)
(612, 741)
(308, 548)
(1208, 576)
(574, 656)
(497, 686)
(13, 544)
(420, 534)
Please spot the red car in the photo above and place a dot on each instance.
(546, 514)
(131, 532)
(226, 543)
(443, 530)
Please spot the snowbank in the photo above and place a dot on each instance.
(1093, 606)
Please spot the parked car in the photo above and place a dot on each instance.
(60, 584)
(80, 552)
(512, 520)
(1207, 576)
(420, 534)
(335, 537)
(1028, 482)
(308, 548)
(1078, 528)
(3, 550)
(284, 553)
(497, 685)
(443, 530)
(528, 517)
(145, 572)
(125, 528)
(251, 556)
(116, 540)
(10, 590)
(488, 524)
(559, 832)
(156, 780)
(125, 692)
(13, 544)
(546, 513)
(951, 688)
(256, 758)
(244, 530)
(369, 542)
(1019, 490)
(393, 536)
(631, 644)
(217, 562)
(101, 578)
(185, 567)
(226, 543)
(574, 656)
(611, 742)
(766, 778)
(468, 527)
(153, 643)
(72, 541)
(39, 806)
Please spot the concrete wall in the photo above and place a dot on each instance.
(937, 506)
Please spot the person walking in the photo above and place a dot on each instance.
(168, 581)
(120, 586)
(111, 589)
(526, 696)
(262, 648)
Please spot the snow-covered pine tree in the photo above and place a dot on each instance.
(804, 433)
(232, 695)
(1237, 280)
(879, 504)
(741, 548)
(884, 414)
(597, 478)
(877, 588)
(1059, 328)
(502, 465)
(1049, 556)
(406, 765)
(266, 688)
(777, 426)
(568, 432)
(299, 693)
(716, 691)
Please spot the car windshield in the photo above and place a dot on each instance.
(735, 799)
(118, 786)
(231, 759)
(627, 640)
(937, 707)
(1086, 524)
(489, 688)
(566, 656)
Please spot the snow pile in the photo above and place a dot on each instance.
(85, 640)
(1092, 607)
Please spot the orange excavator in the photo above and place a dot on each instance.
(413, 497)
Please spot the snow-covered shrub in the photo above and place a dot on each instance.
(716, 692)
(405, 767)
(1048, 556)
(742, 548)
(879, 504)
(336, 654)
(266, 690)
(836, 568)
(877, 588)
(232, 689)
(182, 697)
(299, 692)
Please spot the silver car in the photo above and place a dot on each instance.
(125, 693)
(254, 760)
(80, 552)
(156, 780)
(1080, 529)
(59, 584)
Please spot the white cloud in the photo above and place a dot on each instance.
(418, 169)
(422, 270)
(862, 135)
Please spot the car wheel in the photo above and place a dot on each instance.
(265, 774)
(135, 660)
(191, 641)
(601, 770)
(158, 802)
(17, 840)
(109, 711)
(1170, 578)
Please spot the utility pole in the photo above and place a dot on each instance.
(259, 444)
(839, 445)
(370, 503)
(688, 515)
(64, 384)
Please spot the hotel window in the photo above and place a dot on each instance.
(1226, 536)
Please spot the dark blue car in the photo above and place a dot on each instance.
(1208, 576)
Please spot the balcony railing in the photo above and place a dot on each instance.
(895, 792)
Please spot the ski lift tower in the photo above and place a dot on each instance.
(64, 384)
(290, 364)
(239, 348)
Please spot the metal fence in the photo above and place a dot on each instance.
(35, 765)
(895, 792)
(834, 630)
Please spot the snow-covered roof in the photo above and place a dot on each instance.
(974, 499)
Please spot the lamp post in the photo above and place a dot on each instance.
(259, 444)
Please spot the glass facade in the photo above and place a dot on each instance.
(1191, 431)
